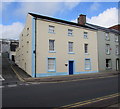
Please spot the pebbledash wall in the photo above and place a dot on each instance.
(35, 39)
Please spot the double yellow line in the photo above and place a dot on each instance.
(79, 104)
(19, 77)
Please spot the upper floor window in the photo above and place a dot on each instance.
(27, 31)
(85, 35)
(86, 48)
(70, 32)
(70, 46)
(116, 38)
(107, 48)
(117, 49)
(107, 36)
(51, 45)
(51, 29)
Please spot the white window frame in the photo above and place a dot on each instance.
(107, 36)
(86, 48)
(117, 50)
(70, 47)
(85, 35)
(51, 64)
(51, 29)
(70, 32)
(116, 38)
(107, 49)
(87, 64)
(53, 48)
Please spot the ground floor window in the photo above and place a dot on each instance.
(117, 64)
(51, 64)
(87, 64)
(108, 63)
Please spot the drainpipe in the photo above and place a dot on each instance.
(35, 43)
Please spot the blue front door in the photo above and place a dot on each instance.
(71, 67)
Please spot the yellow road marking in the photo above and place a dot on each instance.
(19, 77)
(80, 79)
(78, 104)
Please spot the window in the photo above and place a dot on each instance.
(51, 64)
(27, 31)
(51, 45)
(117, 50)
(87, 64)
(51, 29)
(116, 38)
(107, 48)
(85, 35)
(86, 48)
(70, 32)
(70, 46)
(107, 36)
(108, 64)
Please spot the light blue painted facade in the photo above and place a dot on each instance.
(33, 47)
(60, 73)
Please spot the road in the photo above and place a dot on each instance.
(59, 94)
(7, 73)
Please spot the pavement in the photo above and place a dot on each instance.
(21, 75)
(27, 78)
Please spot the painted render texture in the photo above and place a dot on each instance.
(102, 52)
(25, 53)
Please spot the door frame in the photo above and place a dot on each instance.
(73, 67)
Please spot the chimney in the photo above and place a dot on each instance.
(82, 19)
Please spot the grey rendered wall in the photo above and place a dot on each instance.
(102, 56)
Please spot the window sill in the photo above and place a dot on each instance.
(107, 53)
(86, 53)
(52, 51)
(51, 32)
(108, 68)
(70, 35)
(88, 69)
(51, 71)
(85, 37)
(71, 53)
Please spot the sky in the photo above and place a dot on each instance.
(14, 13)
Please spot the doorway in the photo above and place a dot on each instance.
(71, 67)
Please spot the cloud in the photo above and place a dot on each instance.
(11, 31)
(94, 6)
(75, 21)
(71, 4)
(46, 8)
(41, 7)
(106, 19)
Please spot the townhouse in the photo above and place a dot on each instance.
(52, 47)
(108, 48)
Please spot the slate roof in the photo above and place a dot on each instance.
(87, 25)
(59, 20)
(103, 28)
